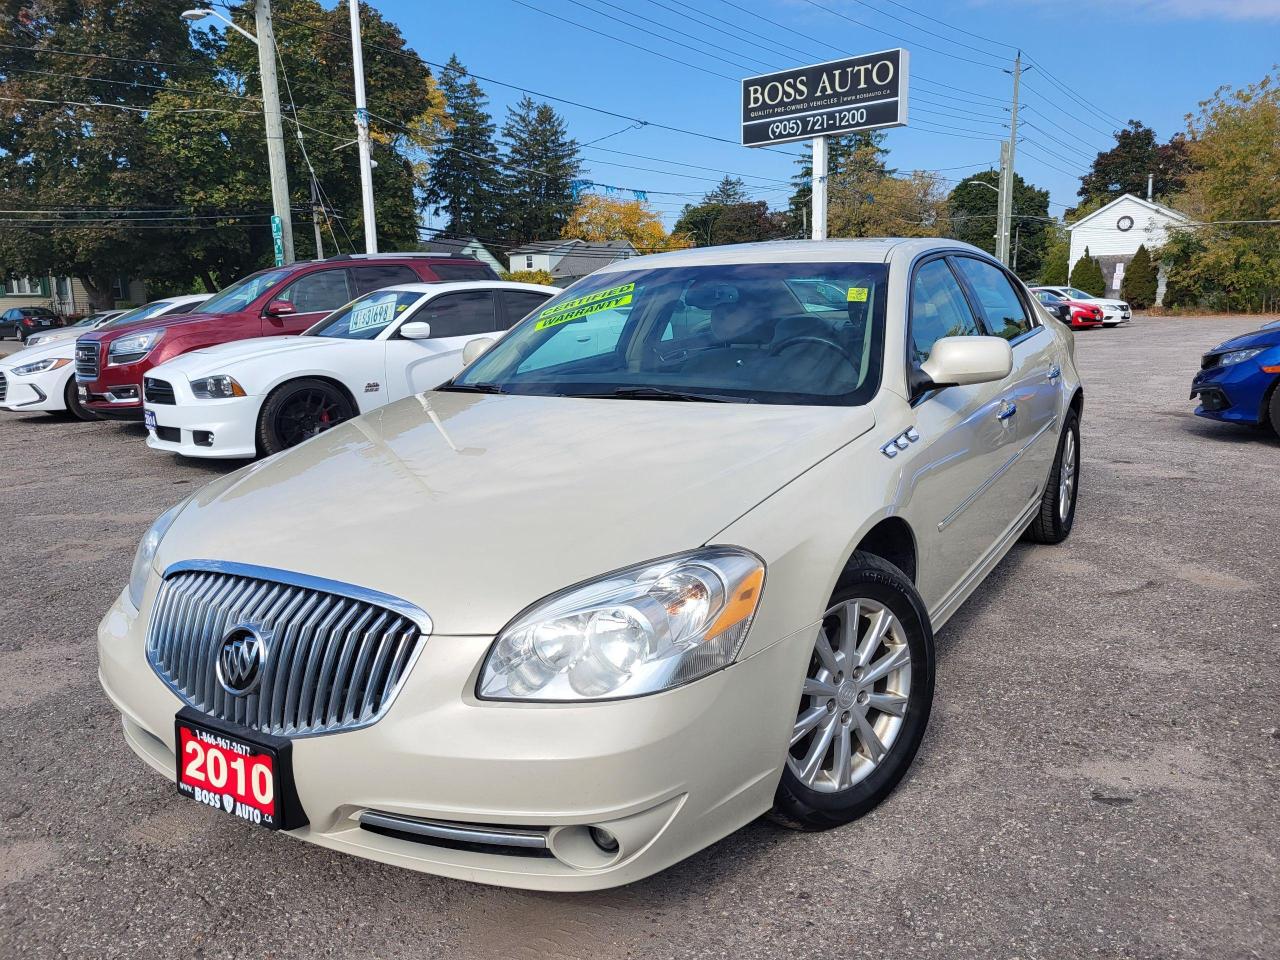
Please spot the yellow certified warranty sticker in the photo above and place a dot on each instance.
(585, 305)
(857, 295)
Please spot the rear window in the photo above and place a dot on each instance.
(463, 270)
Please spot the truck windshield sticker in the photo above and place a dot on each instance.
(584, 306)
(376, 313)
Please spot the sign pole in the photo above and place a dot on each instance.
(819, 188)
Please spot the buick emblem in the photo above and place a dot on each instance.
(241, 659)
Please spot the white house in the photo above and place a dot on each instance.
(568, 260)
(1113, 234)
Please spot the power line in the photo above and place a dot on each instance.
(896, 36)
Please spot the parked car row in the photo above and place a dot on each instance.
(1082, 311)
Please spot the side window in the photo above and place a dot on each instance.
(1000, 304)
(318, 292)
(520, 303)
(938, 309)
(459, 314)
(369, 279)
(463, 270)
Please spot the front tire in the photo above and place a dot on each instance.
(865, 703)
(299, 410)
(1057, 514)
(71, 396)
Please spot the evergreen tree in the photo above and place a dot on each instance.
(465, 176)
(851, 159)
(1140, 280)
(1087, 276)
(1053, 272)
(538, 171)
(972, 207)
(729, 190)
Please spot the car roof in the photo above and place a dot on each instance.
(447, 285)
(864, 250)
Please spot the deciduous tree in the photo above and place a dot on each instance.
(1137, 153)
(601, 219)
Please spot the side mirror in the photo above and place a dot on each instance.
(415, 330)
(280, 308)
(959, 361)
(474, 348)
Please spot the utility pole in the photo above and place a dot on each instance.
(1002, 236)
(317, 211)
(275, 132)
(819, 189)
(1007, 166)
(362, 132)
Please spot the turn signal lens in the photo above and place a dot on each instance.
(638, 631)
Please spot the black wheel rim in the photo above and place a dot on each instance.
(307, 414)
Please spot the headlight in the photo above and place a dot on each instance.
(218, 387)
(641, 630)
(40, 366)
(133, 347)
(146, 552)
(1239, 356)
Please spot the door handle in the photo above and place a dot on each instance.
(1007, 409)
(1055, 372)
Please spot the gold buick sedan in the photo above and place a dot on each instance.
(666, 557)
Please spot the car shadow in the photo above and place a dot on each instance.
(1229, 432)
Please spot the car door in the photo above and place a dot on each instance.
(455, 317)
(314, 296)
(1037, 370)
(959, 485)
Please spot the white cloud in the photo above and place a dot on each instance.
(1198, 9)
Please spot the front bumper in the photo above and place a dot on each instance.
(205, 428)
(116, 392)
(43, 391)
(1236, 393)
(666, 774)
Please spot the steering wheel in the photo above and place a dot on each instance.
(845, 355)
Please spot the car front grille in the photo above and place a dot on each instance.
(157, 391)
(4, 387)
(335, 656)
(86, 361)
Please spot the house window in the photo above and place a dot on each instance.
(20, 286)
(528, 262)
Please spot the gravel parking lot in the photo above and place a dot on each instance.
(1101, 777)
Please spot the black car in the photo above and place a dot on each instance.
(1055, 305)
(21, 322)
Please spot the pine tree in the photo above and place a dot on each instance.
(729, 190)
(465, 177)
(1087, 275)
(1140, 280)
(538, 171)
(850, 158)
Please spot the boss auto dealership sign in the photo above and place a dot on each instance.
(826, 99)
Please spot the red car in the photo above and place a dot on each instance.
(111, 363)
(1084, 315)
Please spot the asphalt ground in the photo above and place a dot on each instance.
(1100, 777)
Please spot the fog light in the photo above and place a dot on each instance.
(604, 840)
(202, 438)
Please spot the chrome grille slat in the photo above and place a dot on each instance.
(335, 655)
(87, 361)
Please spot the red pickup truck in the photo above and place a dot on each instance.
(111, 363)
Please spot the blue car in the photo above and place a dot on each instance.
(1237, 380)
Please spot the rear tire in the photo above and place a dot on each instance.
(1057, 514)
(298, 410)
(868, 691)
(71, 395)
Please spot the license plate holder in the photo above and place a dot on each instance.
(149, 419)
(252, 767)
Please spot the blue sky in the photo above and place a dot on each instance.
(1152, 60)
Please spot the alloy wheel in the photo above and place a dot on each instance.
(308, 414)
(854, 699)
(1067, 477)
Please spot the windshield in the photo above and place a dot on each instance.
(366, 317)
(1078, 294)
(139, 313)
(88, 321)
(243, 292)
(761, 332)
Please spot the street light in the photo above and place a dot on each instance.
(265, 41)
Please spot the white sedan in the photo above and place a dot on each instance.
(1114, 312)
(250, 397)
(42, 377)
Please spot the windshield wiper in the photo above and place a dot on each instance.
(659, 393)
(472, 388)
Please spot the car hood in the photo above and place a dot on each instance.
(107, 334)
(59, 348)
(223, 356)
(52, 336)
(475, 506)
(1258, 338)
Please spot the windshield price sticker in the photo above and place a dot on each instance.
(857, 294)
(579, 307)
(372, 315)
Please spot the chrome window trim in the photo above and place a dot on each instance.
(496, 836)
